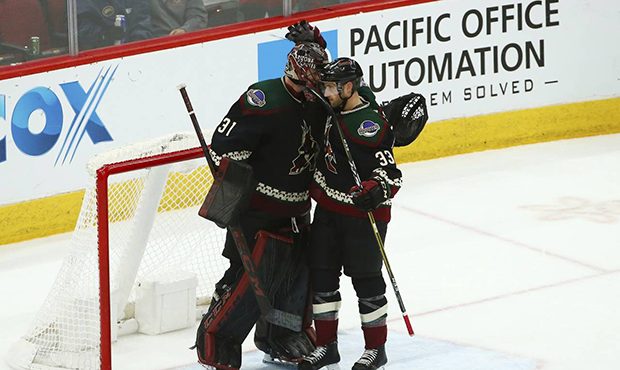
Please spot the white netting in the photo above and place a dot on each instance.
(154, 208)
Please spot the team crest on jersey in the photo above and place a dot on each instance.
(256, 97)
(307, 151)
(368, 128)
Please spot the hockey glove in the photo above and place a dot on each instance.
(374, 192)
(304, 32)
(407, 115)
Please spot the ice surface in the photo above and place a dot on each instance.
(506, 259)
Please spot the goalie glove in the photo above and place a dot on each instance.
(407, 115)
(304, 32)
(374, 191)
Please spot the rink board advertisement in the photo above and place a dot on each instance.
(467, 58)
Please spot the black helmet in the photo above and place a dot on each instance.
(304, 61)
(341, 71)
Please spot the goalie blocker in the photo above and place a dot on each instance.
(230, 193)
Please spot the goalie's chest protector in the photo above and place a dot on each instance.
(266, 127)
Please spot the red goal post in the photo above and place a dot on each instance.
(139, 219)
(103, 174)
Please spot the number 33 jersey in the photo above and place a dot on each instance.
(370, 141)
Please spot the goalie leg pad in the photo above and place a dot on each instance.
(234, 311)
(231, 315)
(288, 291)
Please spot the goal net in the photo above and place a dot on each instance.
(138, 219)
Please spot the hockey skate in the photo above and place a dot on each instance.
(270, 358)
(372, 359)
(323, 357)
(288, 349)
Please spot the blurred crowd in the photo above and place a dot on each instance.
(32, 29)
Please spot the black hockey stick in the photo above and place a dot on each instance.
(272, 315)
(371, 217)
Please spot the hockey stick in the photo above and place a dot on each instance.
(272, 315)
(371, 217)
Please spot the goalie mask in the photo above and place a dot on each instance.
(303, 63)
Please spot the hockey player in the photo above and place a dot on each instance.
(341, 233)
(265, 128)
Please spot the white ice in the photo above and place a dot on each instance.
(506, 259)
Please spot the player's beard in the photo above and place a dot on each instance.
(335, 101)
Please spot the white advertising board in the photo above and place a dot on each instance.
(467, 58)
(476, 57)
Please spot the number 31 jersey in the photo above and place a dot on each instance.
(265, 127)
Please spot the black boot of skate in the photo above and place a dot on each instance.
(372, 359)
(323, 357)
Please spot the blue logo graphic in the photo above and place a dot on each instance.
(84, 105)
(35, 99)
(85, 121)
(368, 128)
(272, 55)
(256, 97)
